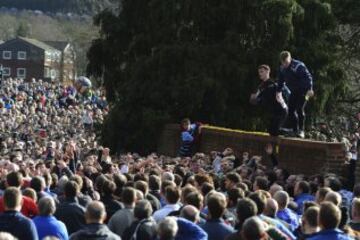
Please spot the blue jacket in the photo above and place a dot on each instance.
(297, 77)
(217, 229)
(289, 217)
(300, 199)
(331, 234)
(18, 225)
(189, 231)
(187, 139)
(50, 226)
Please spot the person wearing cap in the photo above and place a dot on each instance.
(265, 96)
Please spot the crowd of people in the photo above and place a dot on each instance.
(57, 182)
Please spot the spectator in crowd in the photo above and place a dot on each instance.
(95, 228)
(284, 213)
(29, 208)
(172, 195)
(111, 204)
(123, 218)
(329, 220)
(355, 215)
(302, 194)
(12, 220)
(46, 224)
(215, 226)
(167, 229)
(189, 135)
(70, 211)
(144, 227)
(253, 229)
(309, 223)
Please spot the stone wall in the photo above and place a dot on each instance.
(296, 155)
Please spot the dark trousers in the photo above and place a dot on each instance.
(276, 122)
(297, 103)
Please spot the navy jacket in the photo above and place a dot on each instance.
(18, 225)
(72, 214)
(217, 229)
(297, 77)
(331, 234)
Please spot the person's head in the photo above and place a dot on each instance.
(231, 180)
(108, 188)
(30, 193)
(185, 124)
(165, 184)
(167, 228)
(301, 187)
(333, 183)
(142, 210)
(329, 216)
(71, 189)
(95, 212)
(321, 193)
(216, 203)
(245, 209)
(142, 186)
(234, 195)
(154, 183)
(12, 199)
(271, 208)
(264, 72)
(309, 220)
(254, 229)
(172, 195)
(333, 197)
(355, 209)
(14, 179)
(282, 198)
(285, 58)
(190, 213)
(7, 236)
(260, 200)
(37, 183)
(261, 183)
(356, 190)
(275, 188)
(128, 196)
(46, 206)
(195, 199)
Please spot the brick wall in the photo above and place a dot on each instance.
(296, 155)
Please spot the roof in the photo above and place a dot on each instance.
(37, 43)
(59, 45)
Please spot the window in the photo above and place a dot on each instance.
(21, 55)
(21, 72)
(6, 54)
(47, 72)
(6, 71)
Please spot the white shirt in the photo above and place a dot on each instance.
(164, 212)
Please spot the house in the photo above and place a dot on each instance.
(29, 58)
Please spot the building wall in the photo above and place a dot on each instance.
(296, 155)
(34, 63)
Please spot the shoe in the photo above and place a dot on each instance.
(301, 134)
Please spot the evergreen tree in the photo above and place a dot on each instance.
(165, 60)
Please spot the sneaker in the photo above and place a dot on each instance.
(301, 134)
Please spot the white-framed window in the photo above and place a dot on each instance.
(6, 55)
(21, 72)
(6, 71)
(21, 55)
